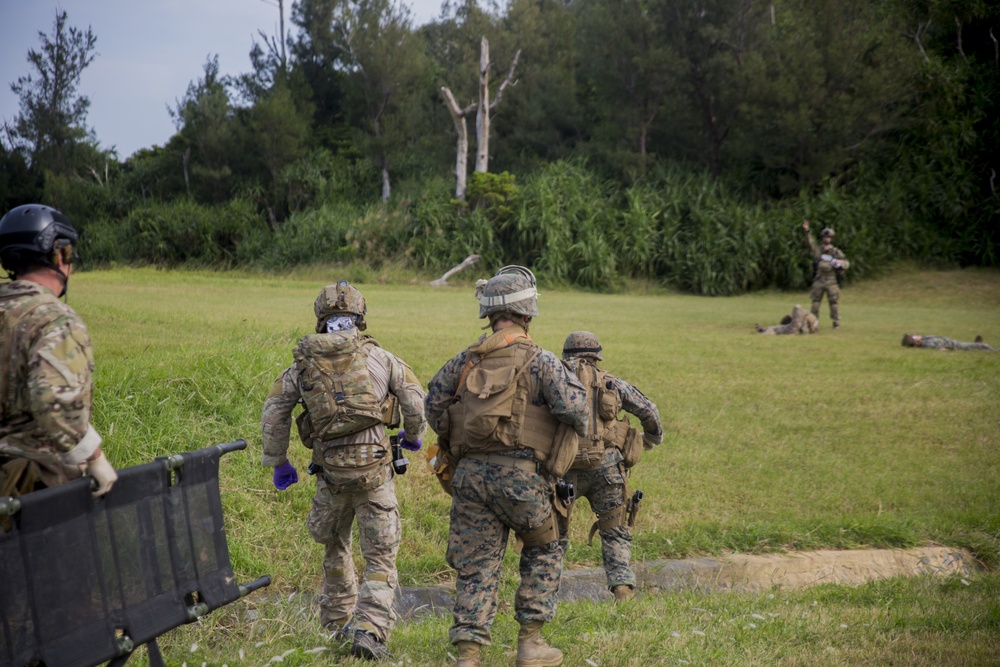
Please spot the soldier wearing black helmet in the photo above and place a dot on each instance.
(829, 264)
(46, 364)
(498, 407)
(607, 454)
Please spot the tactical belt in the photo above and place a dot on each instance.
(528, 465)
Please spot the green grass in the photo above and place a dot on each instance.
(843, 439)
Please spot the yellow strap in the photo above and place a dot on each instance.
(377, 576)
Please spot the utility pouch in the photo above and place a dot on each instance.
(305, 428)
(632, 449)
(358, 479)
(563, 452)
(495, 390)
(442, 465)
(391, 416)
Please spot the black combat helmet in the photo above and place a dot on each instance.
(29, 234)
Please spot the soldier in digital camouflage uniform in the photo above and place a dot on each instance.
(346, 380)
(46, 364)
(499, 484)
(828, 263)
(942, 343)
(600, 471)
(798, 322)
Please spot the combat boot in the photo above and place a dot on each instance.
(532, 650)
(368, 646)
(339, 632)
(468, 654)
(623, 593)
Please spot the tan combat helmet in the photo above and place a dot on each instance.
(827, 231)
(512, 289)
(343, 298)
(582, 344)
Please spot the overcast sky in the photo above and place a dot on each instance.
(147, 53)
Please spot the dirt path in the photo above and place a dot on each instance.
(735, 573)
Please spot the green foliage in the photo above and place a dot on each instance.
(180, 233)
(51, 121)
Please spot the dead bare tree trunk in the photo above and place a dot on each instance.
(386, 187)
(484, 107)
(462, 149)
(483, 114)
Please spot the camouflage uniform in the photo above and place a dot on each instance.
(942, 343)
(797, 323)
(46, 382)
(604, 486)
(491, 498)
(343, 494)
(825, 277)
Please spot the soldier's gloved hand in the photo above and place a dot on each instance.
(650, 440)
(412, 445)
(285, 475)
(101, 471)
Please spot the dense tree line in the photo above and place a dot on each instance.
(882, 117)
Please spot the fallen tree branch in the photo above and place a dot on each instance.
(467, 262)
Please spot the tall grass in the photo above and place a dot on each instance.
(676, 227)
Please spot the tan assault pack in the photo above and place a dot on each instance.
(335, 386)
(493, 410)
(608, 427)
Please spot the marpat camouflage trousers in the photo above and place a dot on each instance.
(330, 521)
(604, 489)
(489, 500)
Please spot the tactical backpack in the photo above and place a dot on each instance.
(493, 412)
(607, 428)
(335, 386)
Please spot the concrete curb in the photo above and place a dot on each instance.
(731, 573)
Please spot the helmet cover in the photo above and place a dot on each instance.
(582, 344)
(512, 289)
(337, 299)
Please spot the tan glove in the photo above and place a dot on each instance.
(650, 441)
(102, 472)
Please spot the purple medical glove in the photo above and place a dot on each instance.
(413, 446)
(285, 475)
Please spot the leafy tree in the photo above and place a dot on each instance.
(19, 183)
(317, 53)
(627, 73)
(539, 120)
(51, 121)
(713, 40)
(388, 76)
(206, 128)
(279, 131)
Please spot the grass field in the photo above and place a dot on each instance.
(843, 439)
